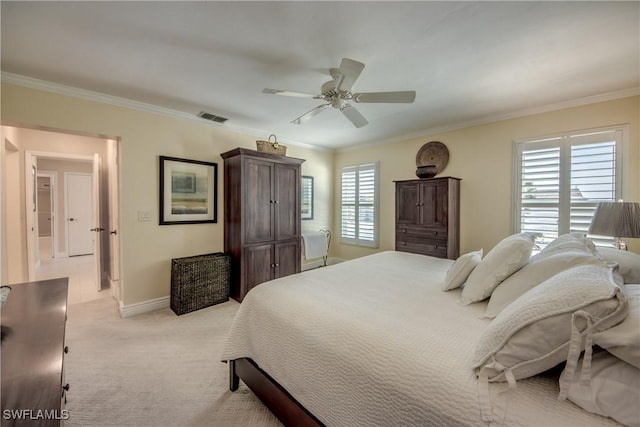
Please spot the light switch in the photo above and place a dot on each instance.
(144, 215)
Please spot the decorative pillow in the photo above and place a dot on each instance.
(504, 259)
(629, 262)
(566, 242)
(623, 340)
(613, 391)
(460, 270)
(546, 325)
(540, 268)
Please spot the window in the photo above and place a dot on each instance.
(359, 204)
(559, 181)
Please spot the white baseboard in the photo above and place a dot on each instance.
(319, 263)
(144, 307)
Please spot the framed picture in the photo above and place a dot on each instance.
(306, 208)
(188, 191)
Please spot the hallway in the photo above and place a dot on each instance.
(80, 271)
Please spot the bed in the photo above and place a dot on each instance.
(376, 342)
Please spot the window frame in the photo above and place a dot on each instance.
(375, 243)
(564, 143)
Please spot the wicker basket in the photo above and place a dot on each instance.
(199, 281)
(272, 146)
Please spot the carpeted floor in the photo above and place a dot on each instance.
(155, 369)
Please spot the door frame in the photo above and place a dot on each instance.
(53, 188)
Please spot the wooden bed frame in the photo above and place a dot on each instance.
(289, 411)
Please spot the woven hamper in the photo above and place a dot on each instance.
(199, 281)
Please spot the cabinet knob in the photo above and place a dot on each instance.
(277, 265)
(66, 387)
(404, 230)
(275, 201)
(66, 349)
(435, 233)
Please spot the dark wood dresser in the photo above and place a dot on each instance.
(33, 328)
(261, 217)
(428, 216)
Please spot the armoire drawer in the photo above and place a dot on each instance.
(422, 232)
(434, 248)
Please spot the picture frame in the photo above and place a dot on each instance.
(306, 198)
(188, 191)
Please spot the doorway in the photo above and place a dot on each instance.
(41, 219)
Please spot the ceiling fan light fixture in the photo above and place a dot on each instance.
(338, 90)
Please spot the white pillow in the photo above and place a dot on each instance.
(629, 263)
(623, 340)
(567, 241)
(504, 259)
(614, 389)
(540, 268)
(534, 333)
(460, 270)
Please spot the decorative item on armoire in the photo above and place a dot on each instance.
(273, 147)
(431, 159)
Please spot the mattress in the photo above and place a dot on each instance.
(376, 342)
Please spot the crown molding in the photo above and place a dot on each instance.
(60, 89)
(594, 99)
(89, 95)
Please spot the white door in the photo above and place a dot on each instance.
(80, 215)
(97, 229)
(114, 237)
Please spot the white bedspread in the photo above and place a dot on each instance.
(375, 342)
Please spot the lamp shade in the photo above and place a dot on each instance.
(617, 219)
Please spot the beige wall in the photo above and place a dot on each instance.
(147, 248)
(482, 157)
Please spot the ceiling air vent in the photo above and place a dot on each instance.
(212, 117)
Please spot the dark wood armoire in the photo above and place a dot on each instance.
(428, 216)
(261, 217)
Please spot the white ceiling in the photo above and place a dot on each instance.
(469, 62)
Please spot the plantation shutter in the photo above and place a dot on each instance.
(359, 204)
(561, 180)
(540, 191)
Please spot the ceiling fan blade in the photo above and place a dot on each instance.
(354, 115)
(349, 72)
(399, 97)
(309, 114)
(289, 93)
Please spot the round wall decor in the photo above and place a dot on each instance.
(431, 159)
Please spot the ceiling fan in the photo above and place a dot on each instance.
(337, 93)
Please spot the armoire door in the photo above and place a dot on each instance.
(287, 197)
(258, 201)
(433, 204)
(258, 264)
(407, 204)
(287, 258)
